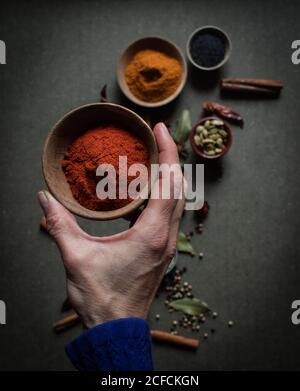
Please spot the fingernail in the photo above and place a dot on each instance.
(43, 200)
(163, 127)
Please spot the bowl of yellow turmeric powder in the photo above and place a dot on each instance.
(151, 72)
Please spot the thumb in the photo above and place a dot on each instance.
(60, 223)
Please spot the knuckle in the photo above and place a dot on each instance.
(76, 254)
(54, 224)
(157, 245)
(73, 262)
(158, 241)
(72, 257)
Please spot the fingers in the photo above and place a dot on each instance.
(167, 148)
(176, 217)
(174, 226)
(43, 223)
(60, 223)
(168, 186)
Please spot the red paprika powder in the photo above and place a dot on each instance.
(102, 145)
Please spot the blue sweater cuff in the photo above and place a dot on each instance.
(117, 345)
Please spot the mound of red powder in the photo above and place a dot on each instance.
(102, 145)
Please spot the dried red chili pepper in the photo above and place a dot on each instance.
(203, 212)
(223, 111)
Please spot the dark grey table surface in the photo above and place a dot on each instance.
(59, 54)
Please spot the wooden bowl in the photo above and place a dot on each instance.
(154, 43)
(72, 125)
(198, 149)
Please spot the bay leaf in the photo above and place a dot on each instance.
(190, 306)
(183, 127)
(183, 245)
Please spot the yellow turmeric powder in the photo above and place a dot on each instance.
(153, 76)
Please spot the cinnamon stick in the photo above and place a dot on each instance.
(163, 336)
(247, 89)
(262, 83)
(66, 322)
(158, 335)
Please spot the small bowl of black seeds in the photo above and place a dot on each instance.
(208, 48)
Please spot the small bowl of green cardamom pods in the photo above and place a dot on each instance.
(211, 138)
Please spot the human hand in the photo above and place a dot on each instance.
(117, 276)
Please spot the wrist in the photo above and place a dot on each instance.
(95, 318)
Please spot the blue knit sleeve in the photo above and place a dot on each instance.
(117, 345)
